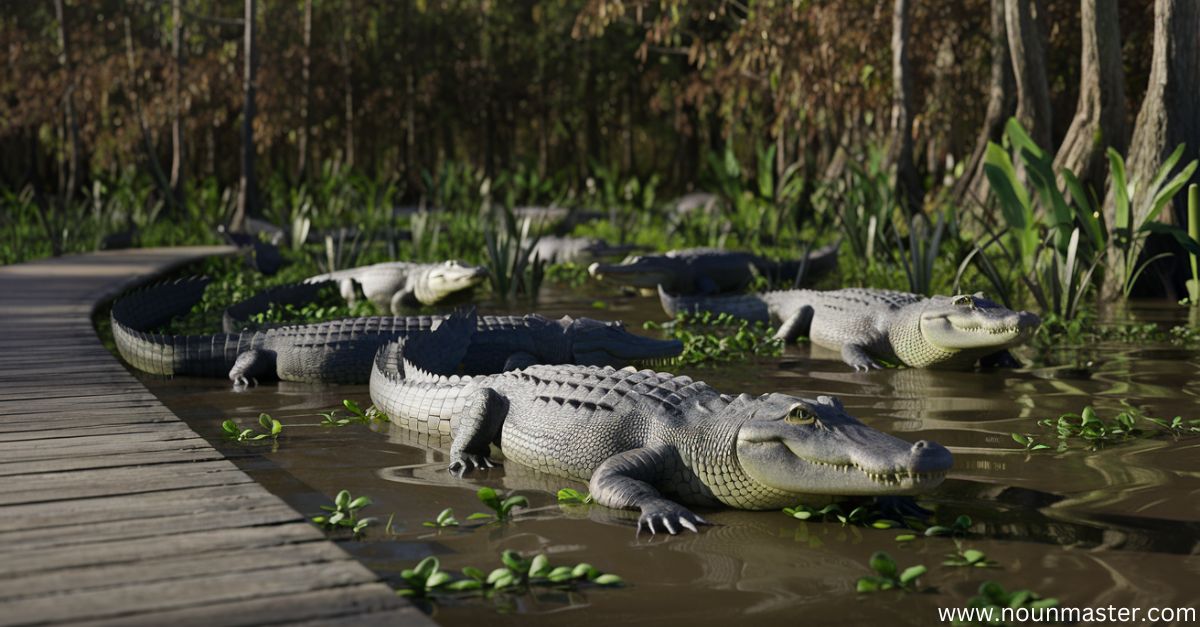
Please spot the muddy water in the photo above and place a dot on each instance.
(1115, 527)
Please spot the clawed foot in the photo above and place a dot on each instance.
(669, 517)
(867, 366)
(1002, 359)
(901, 507)
(241, 383)
(468, 462)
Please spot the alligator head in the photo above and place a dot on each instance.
(598, 343)
(805, 447)
(964, 322)
(646, 272)
(448, 278)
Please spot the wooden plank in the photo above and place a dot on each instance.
(172, 593)
(113, 481)
(23, 563)
(215, 563)
(363, 605)
(25, 407)
(131, 506)
(22, 421)
(72, 436)
(153, 526)
(149, 442)
(176, 593)
(34, 374)
(141, 455)
(68, 421)
(64, 389)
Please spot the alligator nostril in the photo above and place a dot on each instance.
(921, 444)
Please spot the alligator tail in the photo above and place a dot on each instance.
(405, 389)
(816, 264)
(154, 306)
(747, 306)
(137, 313)
(237, 316)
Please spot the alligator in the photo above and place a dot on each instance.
(701, 202)
(564, 249)
(263, 257)
(647, 440)
(865, 325)
(394, 285)
(341, 351)
(711, 270)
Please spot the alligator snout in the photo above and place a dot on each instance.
(926, 456)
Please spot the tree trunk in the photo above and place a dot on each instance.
(348, 92)
(1029, 68)
(305, 89)
(247, 203)
(134, 91)
(176, 104)
(1170, 115)
(591, 114)
(900, 153)
(69, 171)
(1100, 116)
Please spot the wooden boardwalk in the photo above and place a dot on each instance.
(113, 511)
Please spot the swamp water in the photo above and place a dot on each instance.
(1119, 526)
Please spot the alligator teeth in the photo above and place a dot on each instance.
(895, 477)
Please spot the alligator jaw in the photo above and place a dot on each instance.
(630, 274)
(803, 447)
(920, 476)
(804, 474)
(630, 349)
(983, 330)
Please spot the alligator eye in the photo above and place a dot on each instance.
(800, 415)
(964, 300)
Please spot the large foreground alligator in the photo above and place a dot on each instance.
(394, 285)
(341, 351)
(710, 270)
(645, 439)
(869, 324)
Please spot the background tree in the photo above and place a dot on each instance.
(900, 154)
(1169, 116)
(1100, 115)
(1001, 103)
(247, 201)
(177, 148)
(1021, 18)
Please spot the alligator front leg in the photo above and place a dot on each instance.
(250, 365)
(1000, 359)
(347, 290)
(857, 357)
(625, 481)
(517, 361)
(796, 326)
(403, 300)
(478, 426)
